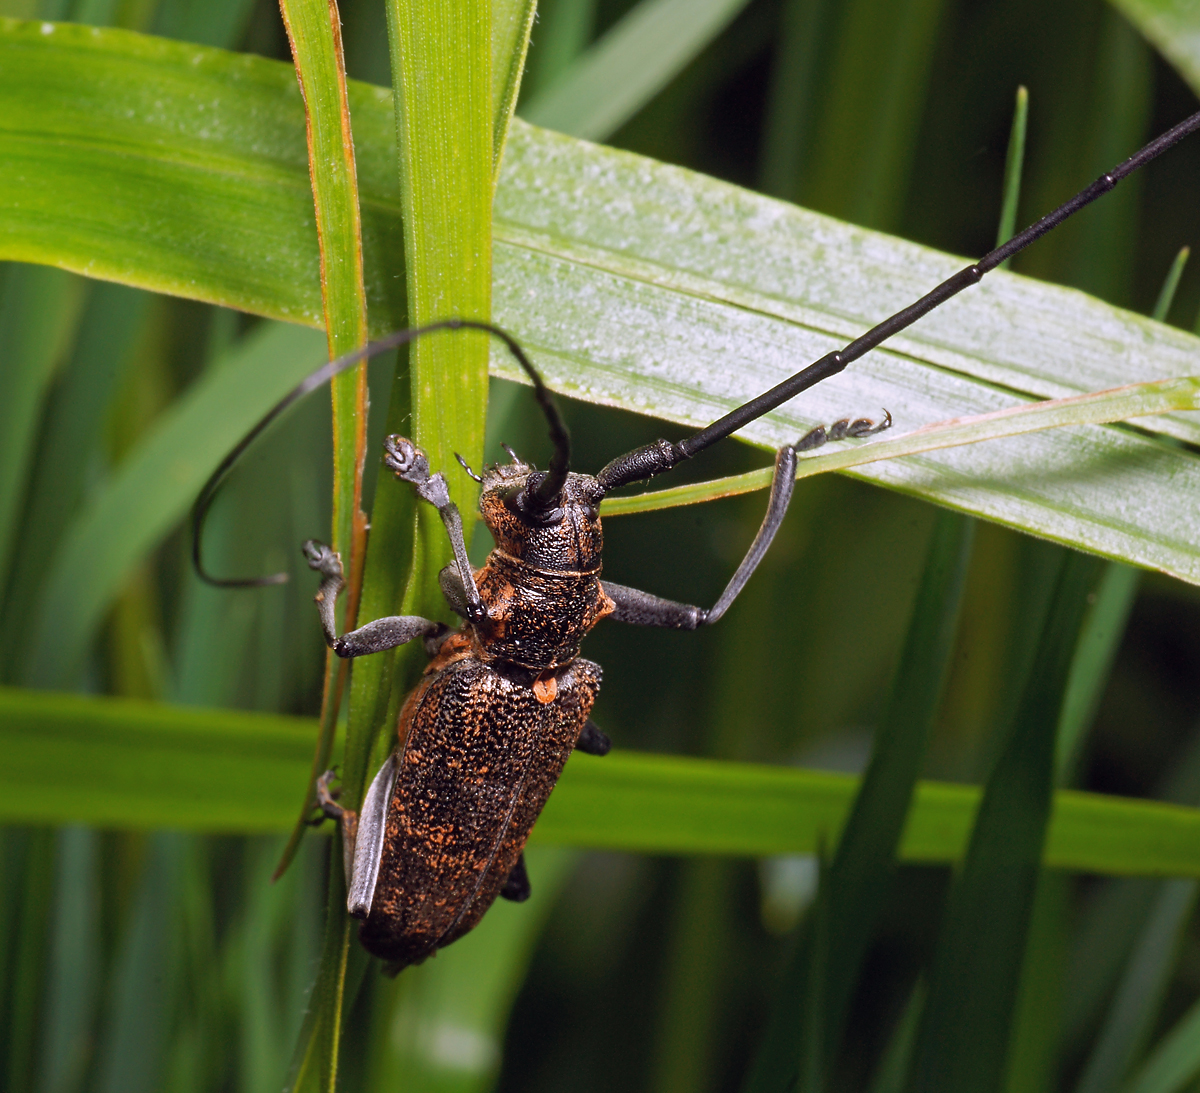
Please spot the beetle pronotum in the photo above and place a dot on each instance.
(506, 697)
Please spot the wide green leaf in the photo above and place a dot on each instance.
(128, 764)
(636, 284)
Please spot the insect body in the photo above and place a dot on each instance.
(506, 697)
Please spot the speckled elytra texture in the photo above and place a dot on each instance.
(481, 757)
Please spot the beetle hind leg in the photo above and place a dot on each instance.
(593, 740)
(517, 888)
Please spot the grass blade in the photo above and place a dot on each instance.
(616, 77)
(963, 1042)
(860, 876)
(1014, 164)
(38, 311)
(1175, 1061)
(314, 34)
(1135, 1006)
(142, 765)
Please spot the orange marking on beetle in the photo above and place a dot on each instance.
(545, 688)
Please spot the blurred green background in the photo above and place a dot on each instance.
(152, 962)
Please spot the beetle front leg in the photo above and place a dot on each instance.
(410, 464)
(375, 637)
(644, 609)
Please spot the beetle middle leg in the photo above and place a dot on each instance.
(374, 637)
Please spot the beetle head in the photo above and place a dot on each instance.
(565, 536)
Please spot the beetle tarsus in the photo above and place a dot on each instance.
(411, 465)
(328, 563)
(840, 430)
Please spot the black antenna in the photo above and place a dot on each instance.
(559, 465)
(654, 459)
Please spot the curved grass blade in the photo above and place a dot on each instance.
(1175, 1061)
(1135, 1006)
(1173, 27)
(39, 309)
(314, 33)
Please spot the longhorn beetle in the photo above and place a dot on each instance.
(506, 696)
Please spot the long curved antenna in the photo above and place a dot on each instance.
(655, 458)
(558, 430)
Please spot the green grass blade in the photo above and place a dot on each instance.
(859, 879)
(1167, 293)
(153, 489)
(605, 86)
(1175, 1061)
(892, 1071)
(314, 32)
(565, 28)
(1170, 27)
(75, 435)
(1098, 643)
(964, 1037)
(316, 45)
(1014, 164)
(882, 54)
(39, 308)
(73, 972)
(512, 20)
(1139, 996)
(147, 974)
(26, 980)
(139, 765)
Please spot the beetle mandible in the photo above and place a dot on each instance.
(506, 697)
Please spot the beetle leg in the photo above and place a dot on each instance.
(840, 430)
(453, 589)
(644, 609)
(346, 818)
(517, 888)
(366, 848)
(375, 637)
(593, 741)
(410, 464)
